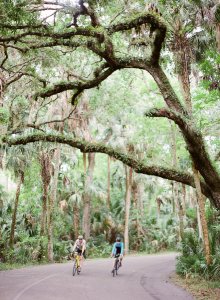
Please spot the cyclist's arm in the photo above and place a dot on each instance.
(84, 247)
(113, 249)
(122, 248)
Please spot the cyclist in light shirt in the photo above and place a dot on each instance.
(80, 248)
(118, 250)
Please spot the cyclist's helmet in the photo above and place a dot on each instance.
(80, 237)
(118, 239)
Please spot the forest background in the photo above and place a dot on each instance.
(109, 119)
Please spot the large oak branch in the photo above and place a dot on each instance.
(89, 147)
(76, 85)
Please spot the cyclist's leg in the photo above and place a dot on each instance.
(114, 262)
(113, 267)
(80, 258)
(116, 256)
(121, 258)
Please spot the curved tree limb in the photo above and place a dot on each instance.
(138, 166)
(76, 85)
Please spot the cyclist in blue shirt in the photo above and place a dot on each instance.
(118, 250)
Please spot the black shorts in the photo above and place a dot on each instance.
(79, 251)
(117, 255)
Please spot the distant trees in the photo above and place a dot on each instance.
(51, 59)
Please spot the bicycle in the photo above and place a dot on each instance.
(76, 265)
(117, 265)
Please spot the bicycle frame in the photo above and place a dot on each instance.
(116, 266)
(76, 265)
(77, 259)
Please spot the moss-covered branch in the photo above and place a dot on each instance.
(77, 86)
(138, 166)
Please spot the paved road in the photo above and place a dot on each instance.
(141, 277)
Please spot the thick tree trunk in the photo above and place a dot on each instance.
(128, 172)
(52, 199)
(44, 211)
(137, 192)
(14, 215)
(87, 197)
(177, 200)
(192, 135)
(109, 183)
(184, 199)
(180, 214)
(46, 176)
(174, 165)
(199, 220)
(201, 204)
(76, 219)
(185, 83)
(136, 206)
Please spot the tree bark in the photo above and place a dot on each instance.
(87, 197)
(136, 207)
(192, 136)
(52, 199)
(184, 73)
(14, 215)
(109, 183)
(76, 219)
(46, 176)
(128, 172)
(201, 204)
(180, 215)
(184, 199)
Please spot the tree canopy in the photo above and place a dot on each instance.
(56, 50)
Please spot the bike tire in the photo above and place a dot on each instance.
(113, 273)
(116, 267)
(74, 269)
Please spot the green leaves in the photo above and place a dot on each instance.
(14, 12)
(4, 115)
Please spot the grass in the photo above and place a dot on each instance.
(8, 266)
(200, 288)
(12, 266)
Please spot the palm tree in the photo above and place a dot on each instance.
(75, 201)
(52, 199)
(45, 162)
(87, 195)
(16, 160)
(128, 172)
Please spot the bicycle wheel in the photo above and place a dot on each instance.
(113, 272)
(116, 266)
(74, 268)
(78, 270)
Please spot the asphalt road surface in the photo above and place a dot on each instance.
(141, 277)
